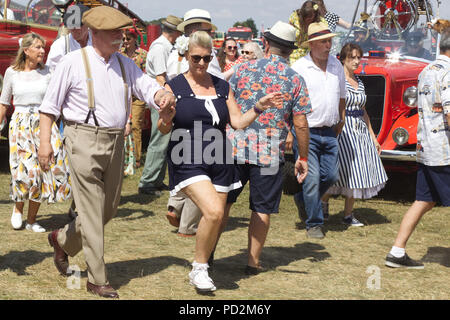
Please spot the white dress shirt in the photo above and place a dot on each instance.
(68, 92)
(158, 53)
(325, 89)
(59, 49)
(175, 67)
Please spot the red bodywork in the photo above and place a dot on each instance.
(389, 112)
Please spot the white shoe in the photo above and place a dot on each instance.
(34, 227)
(199, 278)
(16, 219)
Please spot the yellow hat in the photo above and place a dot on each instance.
(106, 18)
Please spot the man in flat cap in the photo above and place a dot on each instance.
(91, 88)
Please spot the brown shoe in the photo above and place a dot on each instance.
(173, 219)
(186, 235)
(102, 291)
(60, 258)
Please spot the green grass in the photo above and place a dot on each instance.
(147, 260)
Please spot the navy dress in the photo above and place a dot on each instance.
(198, 148)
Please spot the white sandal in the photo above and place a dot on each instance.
(16, 219)
(36, 227)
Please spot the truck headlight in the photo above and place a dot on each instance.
(410, 97)
(60, 2)
(400, 136)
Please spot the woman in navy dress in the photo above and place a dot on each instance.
(361, 172)
(199, 158)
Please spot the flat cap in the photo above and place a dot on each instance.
(106, 18)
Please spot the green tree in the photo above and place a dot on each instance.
(249, 23)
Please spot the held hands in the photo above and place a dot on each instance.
(165, 99)
(301, 169)
(45, 156)
(274, 99)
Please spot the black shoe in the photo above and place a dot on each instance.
(315, 232)
(251, 271)
(403, 262)
(150, 192)
(301, 210)
(163, 187)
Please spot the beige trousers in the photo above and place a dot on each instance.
(188, 213)
(137, 124)
(96, 157)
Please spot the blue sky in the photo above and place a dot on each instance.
(264, 12)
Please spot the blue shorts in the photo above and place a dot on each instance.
(222, 176)
(265, 189)
(433, 184)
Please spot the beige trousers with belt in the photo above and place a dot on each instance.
(96, 158)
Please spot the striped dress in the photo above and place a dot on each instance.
(361, 172)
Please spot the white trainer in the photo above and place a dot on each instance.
(34, 227)
(16, 219)
(199, 278)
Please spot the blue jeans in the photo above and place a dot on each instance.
(323, 172)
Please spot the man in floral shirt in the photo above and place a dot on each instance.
(259, 149)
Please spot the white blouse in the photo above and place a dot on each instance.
(27, 88)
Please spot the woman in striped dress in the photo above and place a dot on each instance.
(361, 172)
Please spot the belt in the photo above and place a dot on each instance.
(88, 127)
(354, 113)
(320, 128)
(27, 109)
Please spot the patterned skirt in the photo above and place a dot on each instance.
(28, 181)
(130, 158)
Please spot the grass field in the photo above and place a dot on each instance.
(146, 259)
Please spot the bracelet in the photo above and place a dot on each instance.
(257, 110)
(304, 159)
(163, 123)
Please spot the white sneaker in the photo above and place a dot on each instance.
(16, 219)
(34, 227)
(199, 278)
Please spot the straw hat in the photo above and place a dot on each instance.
(106, 18)
(195, 16)
(282, 33)
(319, 31)
(172, 22)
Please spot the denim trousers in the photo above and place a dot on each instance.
(323, 172)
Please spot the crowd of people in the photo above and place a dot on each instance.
(218, 121)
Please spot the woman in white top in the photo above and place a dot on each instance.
(26, 81)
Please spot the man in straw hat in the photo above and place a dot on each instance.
(261, 161)
(92, 88)
(325, 78)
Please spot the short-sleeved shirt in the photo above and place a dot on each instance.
(325, 89)
(158, 53)
(263, 142)
(433, 131)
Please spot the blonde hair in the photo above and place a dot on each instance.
(27, 41)
(256, 49)
(200, 39)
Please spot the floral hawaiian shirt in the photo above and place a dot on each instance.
(263, 142)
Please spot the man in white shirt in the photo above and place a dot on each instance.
(78, 37)
(92, 88)
(325, 79)
(433, 152)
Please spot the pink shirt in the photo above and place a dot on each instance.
(67, 90)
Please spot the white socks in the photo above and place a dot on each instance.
(196, 265)
(397, 252)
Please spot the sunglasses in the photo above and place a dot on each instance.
(206, 59)
(232, 48)
(246, 52)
